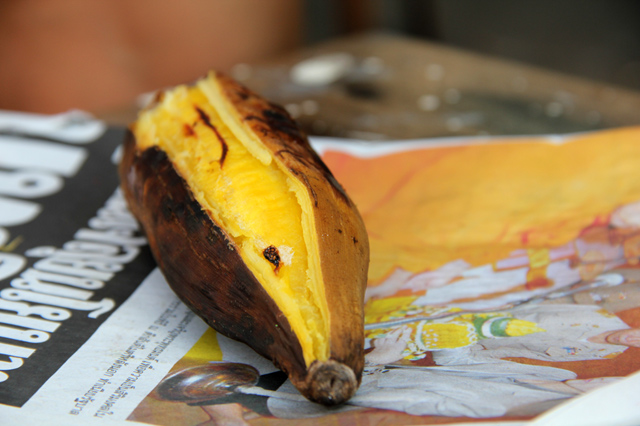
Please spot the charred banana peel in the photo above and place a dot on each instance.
(252, 231)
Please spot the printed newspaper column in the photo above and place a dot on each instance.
(125, 358)
(70, 251)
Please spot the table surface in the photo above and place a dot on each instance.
(382, 86)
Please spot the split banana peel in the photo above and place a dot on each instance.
(251, 230)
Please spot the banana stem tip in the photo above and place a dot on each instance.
(331, 382)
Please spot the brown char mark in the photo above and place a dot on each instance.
(298, 156)
(272, 255)
(256, 118)
(207, 122)
(187, 130)
(278, 119)
(243, 93)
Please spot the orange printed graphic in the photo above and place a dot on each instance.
(479, 202)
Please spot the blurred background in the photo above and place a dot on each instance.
(591, 38)
(99, 55)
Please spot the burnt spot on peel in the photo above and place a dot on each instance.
(207, 122)
(278, 119)
(272, 255)
(242, 93)
(276, 115)
(255, 118)
(297, 155)
(338, 188)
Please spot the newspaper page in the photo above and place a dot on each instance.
(504, 288)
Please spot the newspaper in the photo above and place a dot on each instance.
(504, 288)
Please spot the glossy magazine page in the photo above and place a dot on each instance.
(504, 287)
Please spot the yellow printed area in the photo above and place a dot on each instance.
(257, 202)
(479, 202)
(386, 308)
(518, 327)
(206, 348)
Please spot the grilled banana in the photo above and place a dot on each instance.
(251, 230)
